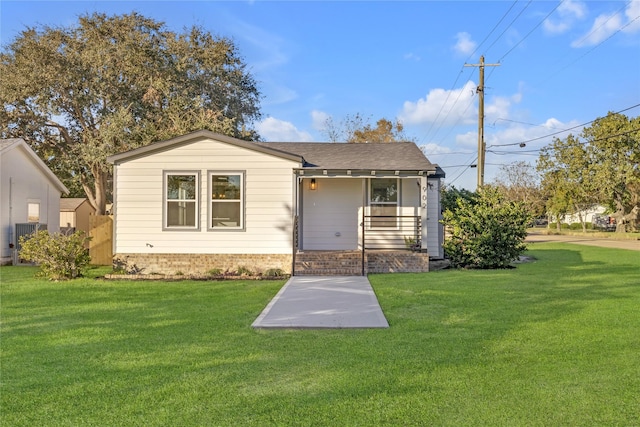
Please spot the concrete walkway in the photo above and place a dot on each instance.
(323, 302)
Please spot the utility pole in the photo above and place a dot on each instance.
(480, 91)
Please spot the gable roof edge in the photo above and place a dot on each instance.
(190, 137)
(19, 142)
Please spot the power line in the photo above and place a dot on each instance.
(470, 75)
(463, 171)
(613, 15)
(561, 131)
(529, 33)
(492, 30)
(510, 24)
(599, 44)
(581, 142)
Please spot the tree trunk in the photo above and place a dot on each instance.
(622, 219)
(97, 195)
(100, 192)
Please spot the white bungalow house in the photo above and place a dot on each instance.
(205, 201)
(29, 195)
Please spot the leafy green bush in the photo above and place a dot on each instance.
(487, 232)
(215, 272)
(243, 271)
(274, 272)
(59, 256)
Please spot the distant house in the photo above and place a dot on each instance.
(29, 194)
(586, 215)
(206, 201)
(74, 214)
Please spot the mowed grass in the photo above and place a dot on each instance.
(553, 342)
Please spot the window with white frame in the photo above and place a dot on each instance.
(33, 211)
(383, 202)
(226, 200)
(181, 200)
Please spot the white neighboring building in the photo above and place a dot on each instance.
(30, 193)
(586, 214)
(205, 201)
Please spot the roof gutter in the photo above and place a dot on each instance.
(362, 173)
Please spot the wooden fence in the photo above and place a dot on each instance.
(101, 244)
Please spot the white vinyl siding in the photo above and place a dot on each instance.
(330, 214)
(435, 229)
(21, 182)
(268, 201)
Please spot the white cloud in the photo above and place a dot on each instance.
(602, 28)
(606, 25)
(432, 149)
(464, 44)
(272, 129)
(632, 13)
(412, 57)
(456, 107)
(450, 107)
(566, 15)
(319, 119)
(500, 106)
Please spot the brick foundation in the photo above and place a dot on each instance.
(349, 263)
(397, 262)
(312, 263)
(200, 264)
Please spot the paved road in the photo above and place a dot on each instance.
(633, 245)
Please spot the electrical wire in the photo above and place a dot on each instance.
(561, 131)
(492, 30)
(600, 44)
(529, 33)
(470, 75)
(510, 24)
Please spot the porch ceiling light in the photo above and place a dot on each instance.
(313, 185)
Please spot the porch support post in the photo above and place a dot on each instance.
(423, 213)
(364, 203)
(294, 221)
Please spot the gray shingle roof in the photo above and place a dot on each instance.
(396, 156)
(70, 204)
(343, 156)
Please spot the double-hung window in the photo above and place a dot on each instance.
(226, 200)
(181, 200)
(383, 202)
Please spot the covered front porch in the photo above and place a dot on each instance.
(360, 222)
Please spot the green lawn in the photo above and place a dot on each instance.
(550, 343)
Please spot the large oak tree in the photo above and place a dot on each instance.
(111, 83)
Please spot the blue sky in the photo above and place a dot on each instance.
(562, 64)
